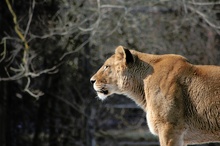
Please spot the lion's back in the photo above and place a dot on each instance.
(202, 98)
(194, 91)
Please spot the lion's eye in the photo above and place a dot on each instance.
(105, 67)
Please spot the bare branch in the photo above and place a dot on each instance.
(17, 76)
(16, 27)
(204, 3)
(76, 50)
(96, 24)
(205, 18)
(72, 105)
(3, 54)
(30, 18)
(51, 34)
(45, 71)
(27, 89)
(114, 6)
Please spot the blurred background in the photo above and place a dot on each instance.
(50, 48)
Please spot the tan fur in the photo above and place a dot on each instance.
(182, 101)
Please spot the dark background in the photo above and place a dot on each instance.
(50, 48)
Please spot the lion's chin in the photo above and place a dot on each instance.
(102, 96)
(103, 93)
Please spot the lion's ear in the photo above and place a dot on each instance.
(124, 54)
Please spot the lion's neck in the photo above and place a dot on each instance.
(138, 96)
(136, 90)
(144, 64)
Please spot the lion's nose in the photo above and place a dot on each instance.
(92, 81)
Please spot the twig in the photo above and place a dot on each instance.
(33, 36)
(204, 17)
(27, 89)
(3, 54)
(76, 50)
(15, 77)
(184, 5)
(30, 18)
(71, 104)
(17, 30)
(204, 3)
(45, 71)
(96, 24)
(114, 6)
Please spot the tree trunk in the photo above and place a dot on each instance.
(3, 92)
(37, 141)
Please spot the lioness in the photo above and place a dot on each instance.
(182, 100)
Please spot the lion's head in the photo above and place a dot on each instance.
(118, 75)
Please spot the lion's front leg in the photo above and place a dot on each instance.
(171, 135)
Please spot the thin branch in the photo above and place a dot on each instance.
(76, 50)
(16, 27)
(22, 73)
(18, 76)
(119, 21)
(30, 18)
(114, 6)
(33, 36)
(27, 89)
(204, 3)
(184, 5)
(205, 18)
(73, 105)
(96, 24)
(45, 71)
(10, 38)
(3, 54)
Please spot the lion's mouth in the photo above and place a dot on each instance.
(105, 92)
